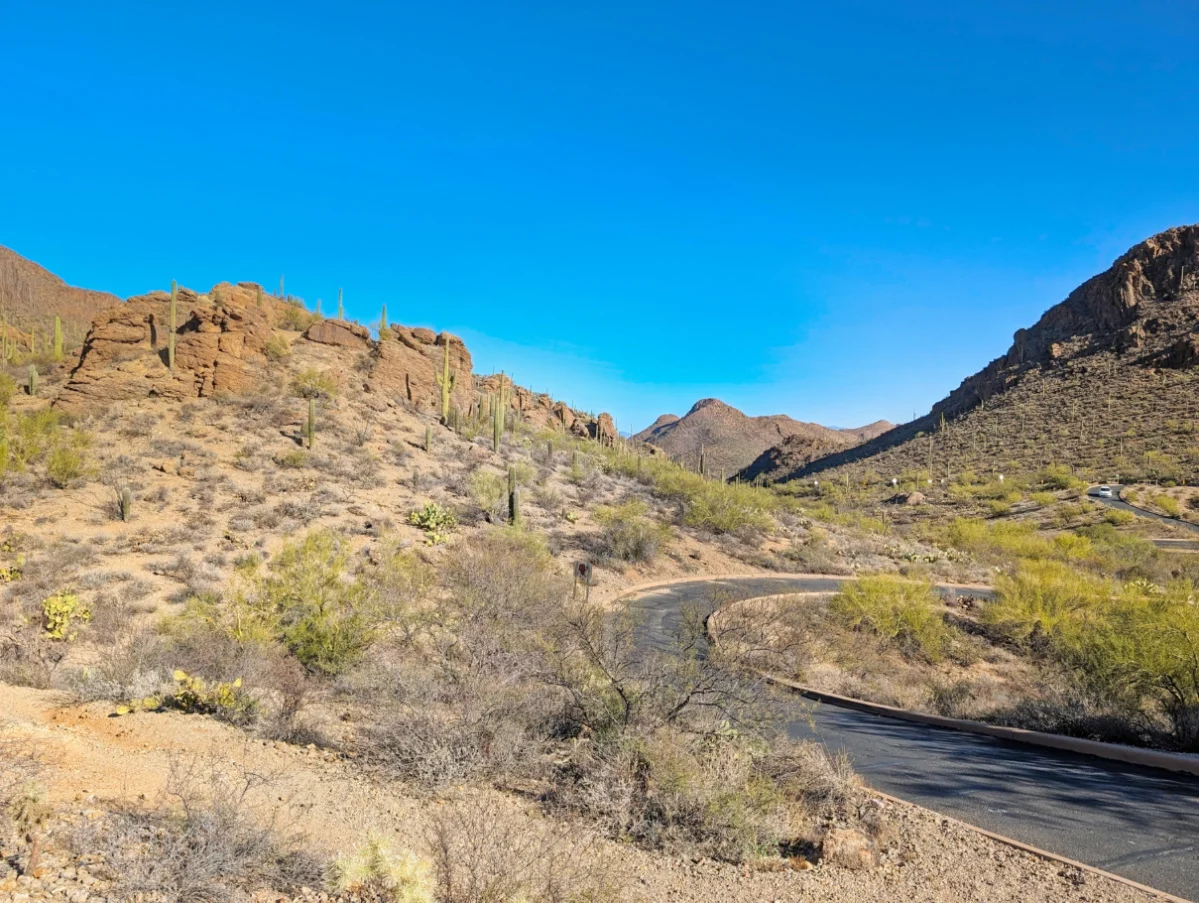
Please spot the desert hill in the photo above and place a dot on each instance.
(731, 439)
(1104, 381)
(31, 296)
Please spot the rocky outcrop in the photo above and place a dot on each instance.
(540, 411)
(220, 347)
(341, 333)
(1148, 292)
(406, 364)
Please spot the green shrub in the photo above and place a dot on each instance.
(307, 600)
(1168, 505)
(629, 532)
(1058, 477)
(1118, 518)
(489, 490)
(1039, 595)
(313, 383)
(67, 460)
(277, 348)
(62, 612)
(8, 388)
(295, 317)
(902, 611)
(436, 521)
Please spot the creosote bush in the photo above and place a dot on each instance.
(629, 532)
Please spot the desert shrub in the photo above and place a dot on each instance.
(8, 388)
(64, 613)
(67, 460)
(902, 611)
(1058, 477)
(1168, 505)
(294, 316)
(1119, 518)
(306, 599)
(482, 854)
(206, 840)
(277, 348)
(1034, 599)
(630, 533)
(489, 490)
(313, 383)
(724, 795)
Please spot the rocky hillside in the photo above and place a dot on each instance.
(732, 440)
(229, 340)
(1104, 381)
(31, 296)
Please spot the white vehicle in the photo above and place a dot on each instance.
(1105, 492)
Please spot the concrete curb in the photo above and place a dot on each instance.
(1130, 754)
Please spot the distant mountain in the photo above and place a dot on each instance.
(1106, 382)
(732, 440)
(31, 296)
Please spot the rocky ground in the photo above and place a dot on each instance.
(97, 759)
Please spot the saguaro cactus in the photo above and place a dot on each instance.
(514, 507)
(257, 295)
(703, 461)
(446, 380)
(311, 431)
(126, 503)
(58, 338)
(383, 322)
(32, 380)
(341, 308)
(428, 438)
(171, 333)
(8, 345)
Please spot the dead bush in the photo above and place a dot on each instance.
(483, 855)
(210, 838)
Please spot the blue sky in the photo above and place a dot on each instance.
(834, 211)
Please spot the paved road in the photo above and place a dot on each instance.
(1115, 502)
(1137, 822)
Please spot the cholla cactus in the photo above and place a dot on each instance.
(377, 866)
(30, 812)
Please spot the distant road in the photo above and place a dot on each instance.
(1137, 822)
(1115, 502)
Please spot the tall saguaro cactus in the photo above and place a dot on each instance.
(171, 333)
(341, 308)
(8, 345)
(446, 380)
(498, 417)
(32, 380)
(311, 431)
(57, 338)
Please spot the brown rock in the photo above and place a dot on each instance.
(604, 430)
(340, 333)
(407, 362)
(849, 848)
(219, 348)
(914, 498)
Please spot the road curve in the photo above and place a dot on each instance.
(1137, 822)
(1117, 502)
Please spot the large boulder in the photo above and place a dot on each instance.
(341, 333)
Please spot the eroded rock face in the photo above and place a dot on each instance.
(407, 362)
(540, 411)
(340, 333)
(220, 347)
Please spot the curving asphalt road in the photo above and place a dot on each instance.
(1116, 502)
(1137, 822)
